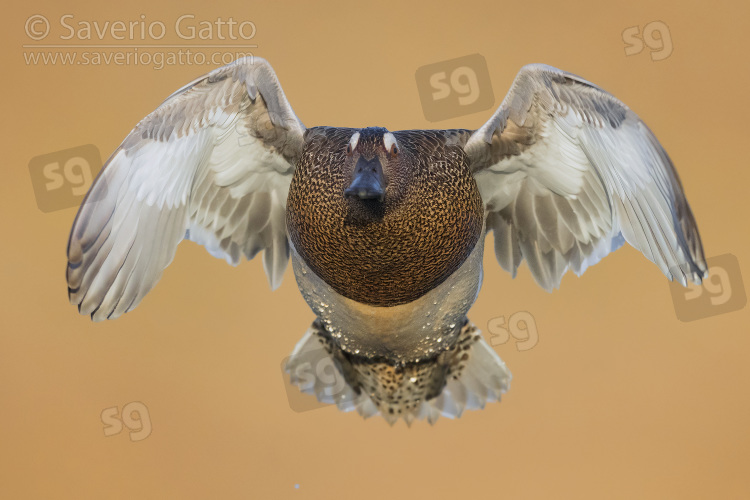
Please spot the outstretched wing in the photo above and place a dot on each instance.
(212, 164)
(568, 173)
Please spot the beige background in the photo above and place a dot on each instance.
(619, 399)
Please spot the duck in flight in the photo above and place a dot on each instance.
(385, 229)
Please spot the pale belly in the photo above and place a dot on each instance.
(407, 332)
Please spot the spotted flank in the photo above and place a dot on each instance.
(465, 376)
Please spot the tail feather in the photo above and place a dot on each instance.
(465, 376)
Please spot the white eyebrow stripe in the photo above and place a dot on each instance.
(389, 140)
(354, 140)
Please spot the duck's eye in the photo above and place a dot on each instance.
(352, 143)
(390, 143)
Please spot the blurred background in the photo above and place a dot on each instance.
(623, 387)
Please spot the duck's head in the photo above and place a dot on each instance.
(373, 152)
(382, 217)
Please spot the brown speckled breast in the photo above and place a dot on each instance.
(391, 253)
